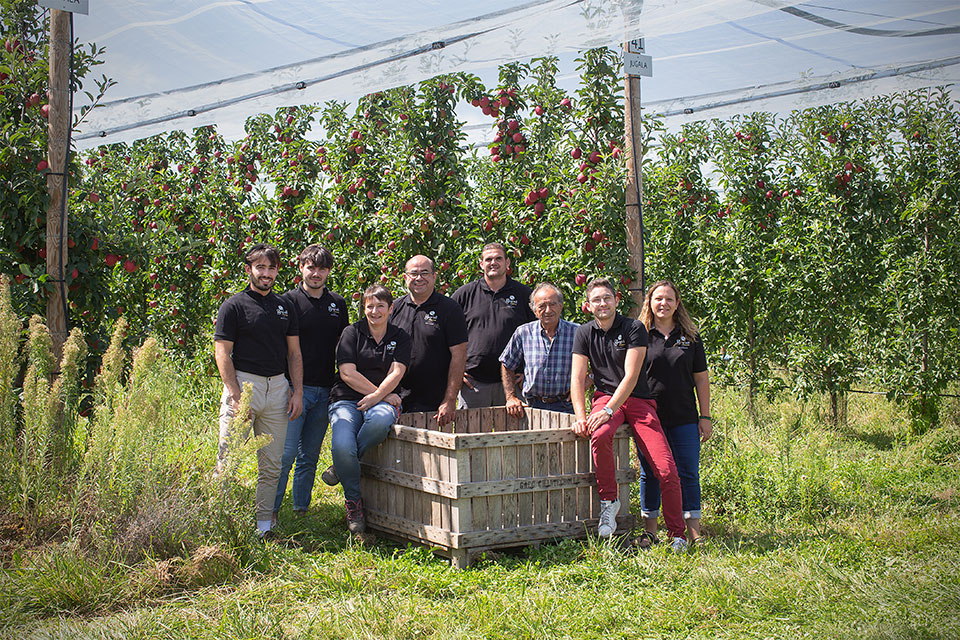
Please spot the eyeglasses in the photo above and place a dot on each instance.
(418, 274)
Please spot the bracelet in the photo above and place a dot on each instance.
(706, 418)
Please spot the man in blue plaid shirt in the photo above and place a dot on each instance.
(543, 350)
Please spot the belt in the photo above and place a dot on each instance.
(549, 399)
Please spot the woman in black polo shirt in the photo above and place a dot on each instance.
(675, 366)
(372, 356)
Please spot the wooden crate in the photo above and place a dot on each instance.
(488, 481)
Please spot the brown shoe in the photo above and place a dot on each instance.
(356, 520)
(330, 477)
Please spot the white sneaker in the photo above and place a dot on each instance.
(608, 517)
(679, 545)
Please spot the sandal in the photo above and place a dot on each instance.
(646, 540)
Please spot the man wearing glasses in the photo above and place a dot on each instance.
(613, 347)
(438, 331)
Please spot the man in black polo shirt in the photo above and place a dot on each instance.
(322, 316)
(495, 305)
(438, 331)
(613, 347)
(256, 341)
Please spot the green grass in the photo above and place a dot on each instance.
(815, 532)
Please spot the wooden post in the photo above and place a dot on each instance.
(57, 130)
(633, 139)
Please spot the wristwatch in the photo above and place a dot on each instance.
(607, 410)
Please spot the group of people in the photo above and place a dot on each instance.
(494, 342)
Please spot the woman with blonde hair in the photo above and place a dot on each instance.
(676, 370)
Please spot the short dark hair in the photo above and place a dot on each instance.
(379, 292)
(318, 256)
(600, 282)
(494, 245)
(265, 250)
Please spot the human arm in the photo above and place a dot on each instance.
(701, 382)
(514, 404)
(447, 408)
(295, 369)
(633, 361)
(378, 394)
(222, 350)
(578, 387)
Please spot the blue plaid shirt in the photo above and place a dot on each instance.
(546, 365)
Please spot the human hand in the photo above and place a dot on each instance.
(705, 426)
(467, 383)
(580, 428)
(595, 420)
(514, 407)
(368, 401)
(294, 405)
(394, 399)
(445, 413)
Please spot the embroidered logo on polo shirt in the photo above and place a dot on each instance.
(619, 342)
(510, 301)
(391, 346)
(430, 318)
(282, 313)
(333, 309)
(683, 342)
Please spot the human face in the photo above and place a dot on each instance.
(547, 308)
(602, 303)
(494, 264)
(419, 277)
(314, 277)
(262, 274)
(663, 303)
(376, 312)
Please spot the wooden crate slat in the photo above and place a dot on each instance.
(510, 517)
(585, 494)
(540, 498)
(525, 471)
(495, 501)
(423, 436)
(568, 465)
(478, 473)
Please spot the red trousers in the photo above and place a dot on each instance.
(641, 416)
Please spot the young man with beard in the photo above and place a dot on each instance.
(257, 341)
(322, 316)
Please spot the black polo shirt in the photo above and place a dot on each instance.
(492, 317)
(670, 364)
(607, 351)
(321, 321)
(373, 359)
(433, 327)
(258, 327)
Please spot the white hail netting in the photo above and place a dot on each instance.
(186, 63)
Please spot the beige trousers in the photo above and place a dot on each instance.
(268, 408)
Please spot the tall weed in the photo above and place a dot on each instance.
(10, 332)
(35, 486)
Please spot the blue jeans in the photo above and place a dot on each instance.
(684, 442)
(564, 406)
(354, 432)
(304, 439)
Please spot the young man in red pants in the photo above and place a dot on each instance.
(613, 347)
